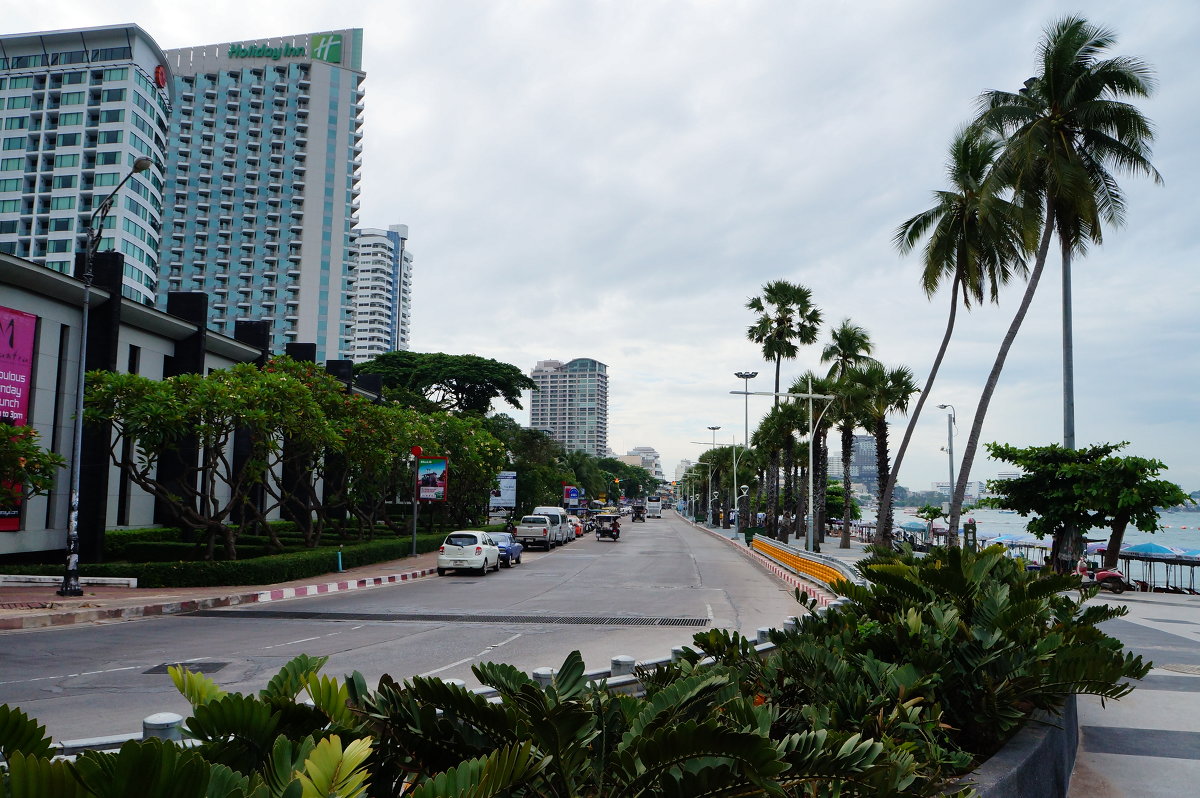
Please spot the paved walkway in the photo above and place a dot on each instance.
(1147, 744)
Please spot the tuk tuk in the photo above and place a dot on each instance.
(608, 525)
(639, 513)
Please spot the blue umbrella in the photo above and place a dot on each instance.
(914, 526)
(1152, 550)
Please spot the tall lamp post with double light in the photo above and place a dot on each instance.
(950, 444)
(92, 237)
(745, 377)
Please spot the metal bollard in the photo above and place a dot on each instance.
(339, 570)
(764, 634)
(544, 676)
(623, 665)
(164, 726)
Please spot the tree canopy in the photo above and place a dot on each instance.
(458, 383)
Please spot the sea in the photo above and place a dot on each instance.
(1181, 530)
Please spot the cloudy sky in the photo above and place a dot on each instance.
(614, 179)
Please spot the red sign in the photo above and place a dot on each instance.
(160, 76)
(17, 332)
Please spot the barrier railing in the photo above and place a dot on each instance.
(813, 566)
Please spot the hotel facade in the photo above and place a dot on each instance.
(571, 403)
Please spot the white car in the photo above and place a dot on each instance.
(468, 550)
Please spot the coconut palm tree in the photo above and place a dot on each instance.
(1067, 132)
(849, 347)
(808, 382)
(879, 391)
(976, 237)
(786, 319)
(777, 433)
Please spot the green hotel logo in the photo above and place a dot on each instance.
(327, 47)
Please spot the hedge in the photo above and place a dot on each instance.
(258, 571)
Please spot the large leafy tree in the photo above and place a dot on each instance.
(1082, 488)
(849, 347)
(459, 383)
(1067, 132)
(787, 318)
(878, 392)
(976, 237)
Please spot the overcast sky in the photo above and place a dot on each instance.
(615, 179)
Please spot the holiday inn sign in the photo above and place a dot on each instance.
(325, 47)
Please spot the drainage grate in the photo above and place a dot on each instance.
(1180, 668)
(612, 620)
(194, 667)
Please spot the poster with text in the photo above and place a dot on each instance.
(17, 332)
(431, 478)
(504, 495)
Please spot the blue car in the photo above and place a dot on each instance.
(510, 549)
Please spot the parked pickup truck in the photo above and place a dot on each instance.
(535, 530)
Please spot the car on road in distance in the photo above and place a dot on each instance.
(510, 548)
(535, 530)
(468, 550)
(577, 524)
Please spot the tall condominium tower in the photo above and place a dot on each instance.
(262, 183)
(382, 291)
(77, 108)
(571, 403)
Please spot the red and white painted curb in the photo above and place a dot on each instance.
(280, 593)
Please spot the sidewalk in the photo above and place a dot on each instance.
(38, 605)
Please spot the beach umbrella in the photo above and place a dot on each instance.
(1099, 547)
(1152, 550)
(913, 526)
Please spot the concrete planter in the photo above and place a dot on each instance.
(1035, 763)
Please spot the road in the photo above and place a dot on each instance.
(599, 597)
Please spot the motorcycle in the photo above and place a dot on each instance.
(1110, 579)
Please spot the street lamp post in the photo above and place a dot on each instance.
(745, 377)
(951, 534)
(92, 237)
(710, 490)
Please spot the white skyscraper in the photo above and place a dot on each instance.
(571, 403)
(382, 291)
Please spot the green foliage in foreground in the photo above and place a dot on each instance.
(931, 667)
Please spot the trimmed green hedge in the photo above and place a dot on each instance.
(258, 571)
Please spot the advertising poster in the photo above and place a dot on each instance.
(504, 495)
(571, 495)
(17, 332)
(431, 478)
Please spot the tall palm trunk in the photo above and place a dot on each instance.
(847, 442)
(883, 536)
(773, 475)
(1068, 542)
(968, 458)
(883, 519)
(789, 465)
(820, 479)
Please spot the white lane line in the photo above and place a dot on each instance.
(70, 675)
(470, 659)
(710, 612)
(292, 643)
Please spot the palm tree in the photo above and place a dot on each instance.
(1067, 130)
(977, 238)
(878, 391)
(786, 318)
(777, 433)
(808, 382)
(849, 347)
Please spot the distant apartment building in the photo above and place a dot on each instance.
(262, 184)
(381, 285)
(975, 490)
(864, 470)
(682, 468)
(650, 460)
(571, 403)
(77, 108)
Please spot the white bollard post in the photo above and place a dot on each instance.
(676, 653)
(623, 665)
(764, 634)
(164, 726)
(544, 676)
(457, 682)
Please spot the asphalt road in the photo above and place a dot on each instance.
(652, 590)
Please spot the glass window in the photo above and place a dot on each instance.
(16, 122)
(108, 178)
(18, 102)
(10, 184)
(113, 95)
(58, 245)
(64, 181)
(67, 140)
(106, 158)
(9, 226)
(20, 83)
(74, 77)
(61, 224)
(111, 136)
(10, 206)
(64, 161)
(62, 203)
(112, 115)
(120, 73)
(12, 164)
(14, 143)
(70, 119)
(71, 98)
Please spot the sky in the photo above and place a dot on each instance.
(614, 180)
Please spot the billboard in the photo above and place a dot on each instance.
(431, 478)
(17, 332)
(504, 495)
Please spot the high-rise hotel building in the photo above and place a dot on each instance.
(382, 291)
(262, 183)
(571, 403)
(77, 108)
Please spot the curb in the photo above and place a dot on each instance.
(100, 614)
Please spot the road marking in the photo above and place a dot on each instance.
(469, 659)
(292, 643)
(70, 675)
(710, 612)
